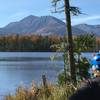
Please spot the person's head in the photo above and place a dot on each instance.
(90, 90)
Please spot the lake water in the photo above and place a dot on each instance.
(22, 67)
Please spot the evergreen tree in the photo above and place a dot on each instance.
(67, 9)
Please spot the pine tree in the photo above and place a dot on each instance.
(67, 9)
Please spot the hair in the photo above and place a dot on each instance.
(90, 90)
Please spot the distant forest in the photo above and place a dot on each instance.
(30, 43)
(33, 43)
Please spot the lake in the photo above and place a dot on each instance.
(22, 67)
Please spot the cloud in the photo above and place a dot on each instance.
(85, 19)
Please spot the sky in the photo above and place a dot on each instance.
(15, 10)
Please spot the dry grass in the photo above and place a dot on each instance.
(53, 92)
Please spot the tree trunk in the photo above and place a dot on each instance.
(70, 40)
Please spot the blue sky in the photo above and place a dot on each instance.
(15, 10)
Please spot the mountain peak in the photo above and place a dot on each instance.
(30, 17)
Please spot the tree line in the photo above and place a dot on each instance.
(28, 43)
(39, 43)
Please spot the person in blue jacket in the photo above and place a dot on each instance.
(95, 63)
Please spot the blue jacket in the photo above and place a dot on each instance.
(96, 59)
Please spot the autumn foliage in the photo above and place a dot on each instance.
(28, 42)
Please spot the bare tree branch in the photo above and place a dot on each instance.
(74, 10)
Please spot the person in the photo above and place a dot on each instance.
(90, 90)
(96, 70)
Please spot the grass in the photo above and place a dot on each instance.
(52, 92)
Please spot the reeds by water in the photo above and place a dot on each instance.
(45, 91)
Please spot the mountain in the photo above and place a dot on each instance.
(94, 29)
(44, 25)
(33, 24)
